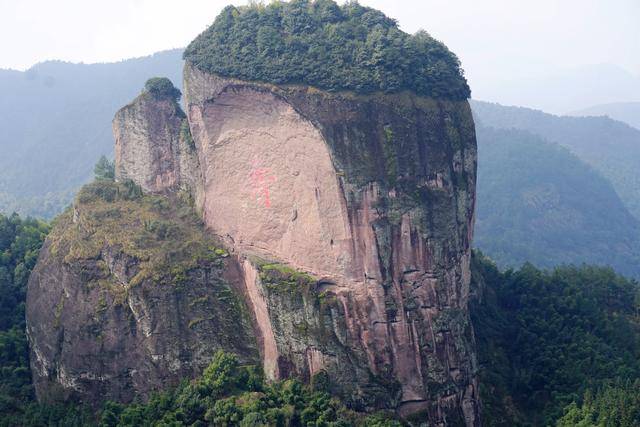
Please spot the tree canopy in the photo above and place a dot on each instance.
(104, 170)
(162, 88)
(546, 337)
(322, 44)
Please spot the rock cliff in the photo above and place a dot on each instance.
(153, 146)
(371, 195)
(348, 220)
(129, 297)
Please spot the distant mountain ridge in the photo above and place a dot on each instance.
(564, 90)
(56, 122)
(627, 112)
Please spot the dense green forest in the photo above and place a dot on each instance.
(20, 242)
(322, 44)
(228, 394)
(540, 203)
(547, 339)
(616, 404)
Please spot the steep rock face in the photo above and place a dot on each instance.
(153, 145)
(129, 297)
(373, 196)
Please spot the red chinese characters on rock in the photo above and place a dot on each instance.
(261, 178)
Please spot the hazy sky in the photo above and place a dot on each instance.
(493, 38)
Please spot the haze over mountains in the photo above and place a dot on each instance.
(611, 147)
(564, 91)
(628, 112)
(56, 121)
(537, 201)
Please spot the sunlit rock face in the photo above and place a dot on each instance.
(373, 196)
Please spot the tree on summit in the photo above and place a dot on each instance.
(161, 88)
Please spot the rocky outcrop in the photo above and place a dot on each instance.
(348, 219)
(129, 297)
(373, 196)
(153, 145)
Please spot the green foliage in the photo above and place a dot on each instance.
(110, 192)
(161, 88)
(544, 338)
(104, 170)
(229, 394)
(614, 405)
(322, 44)
(284, 279)
(20, 242)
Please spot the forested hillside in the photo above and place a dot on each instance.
(547, 339)
(56, 122)
(20, 242)
(611, 147)
(540, 203)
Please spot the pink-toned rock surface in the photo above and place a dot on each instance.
(372, 195)
(269, 182)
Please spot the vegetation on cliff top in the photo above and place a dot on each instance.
(165, 236)
(322, 44)
(162, 88)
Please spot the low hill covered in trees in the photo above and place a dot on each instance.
(549, 340)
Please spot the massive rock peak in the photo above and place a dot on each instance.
(348, 218)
